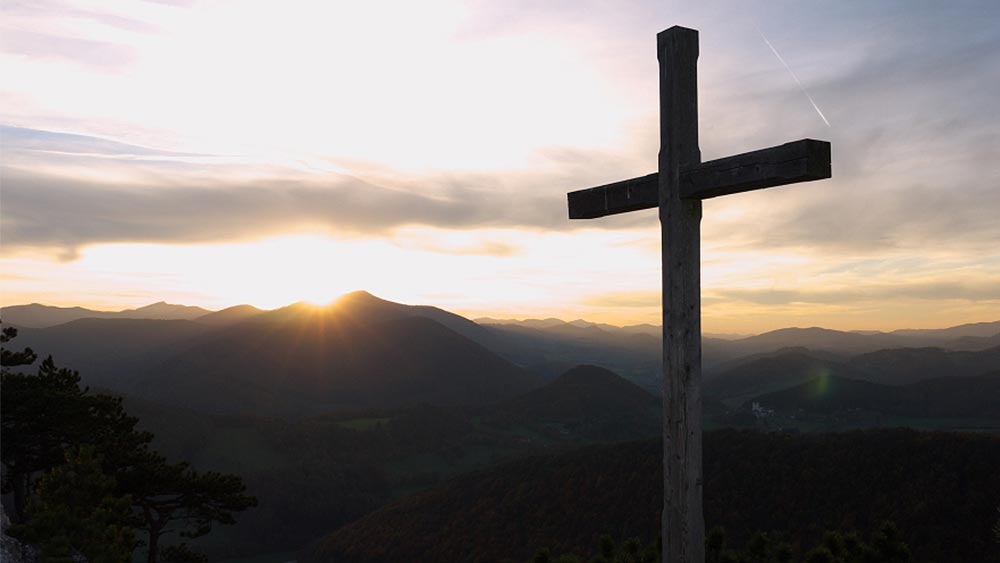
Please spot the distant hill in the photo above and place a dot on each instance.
(772, 372)
(954, 396)
(814, 338)
(362, 305)
(981, 330)
(768, 372)
(307, 359)
(530, 323)
(962, 337)
(634, 356)
(114, 353)
(645, 328)
(361, 352)
(940, 489)
(231, 315)
(592, 402)
(714, 371)
(43, 316)
(580, 392)
(907, 365)
(551, 345)
(164, 311)
(974, 342)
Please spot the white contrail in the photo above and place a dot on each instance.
(797, 81)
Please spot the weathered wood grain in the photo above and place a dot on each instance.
(790, 163)
(798, 161)
(683, 524)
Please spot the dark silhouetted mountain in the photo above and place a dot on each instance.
(590, 402)
(114, 353)
(365, 306)
(773, 372)
(645, 328)
(973, 343)
(360, 352)
(305, 359)
(43, 316)
(942, 397)
(550, 345)
(635, 356)
(164, 311)
(814, 338)
(714, 371)
(530, 323)
(582, 392)
(231, 315)
(939, 488)
(981, 330)
(907, 365)
(860, 342)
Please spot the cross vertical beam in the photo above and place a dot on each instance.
(677, 190)
(683, 522)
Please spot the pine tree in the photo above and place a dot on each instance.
(166, 494)
(42, 415)
(46, 415)
(77, 512)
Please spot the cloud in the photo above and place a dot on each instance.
(485, 248)
(47, 211)
(915, 134)
(67, 191)
(973, 290)
(84, 51)
(21, 139)
(625, 299)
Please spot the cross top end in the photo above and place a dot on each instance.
(677, 35)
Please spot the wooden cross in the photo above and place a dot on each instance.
(677, 190)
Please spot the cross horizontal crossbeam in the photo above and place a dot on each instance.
(798, 161)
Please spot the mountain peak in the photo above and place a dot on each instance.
(358, 296)
(164, 310)
(230, 315)
(593, 384)
(162, 305)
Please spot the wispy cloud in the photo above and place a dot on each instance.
(66, 191)
(627, 299)
(974, 290)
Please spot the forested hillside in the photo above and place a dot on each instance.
(940, 489)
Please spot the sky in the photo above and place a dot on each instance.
(221, 152)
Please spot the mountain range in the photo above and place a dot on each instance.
(955, 396)
(36, 315)
(361, 352)
(365, 352)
